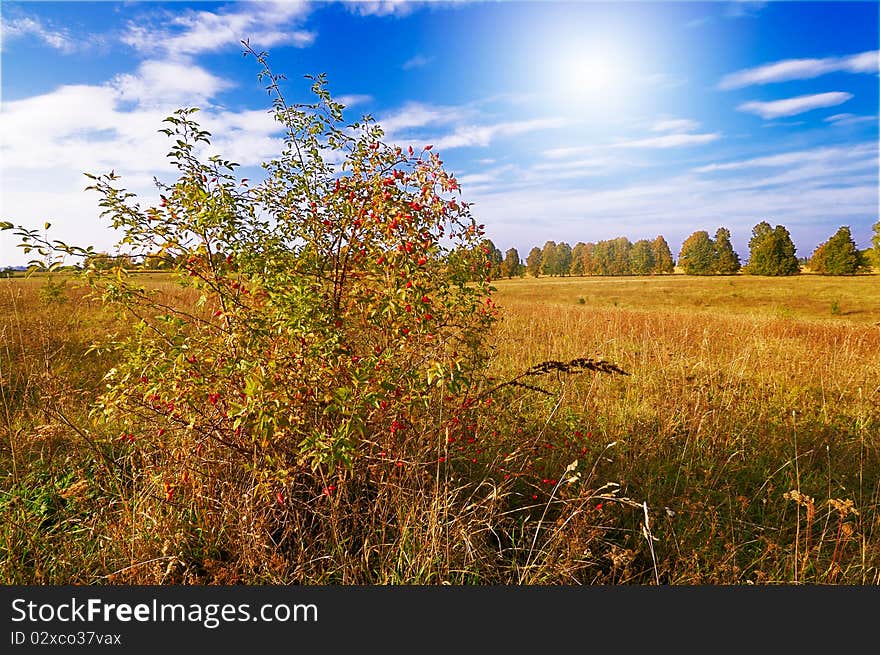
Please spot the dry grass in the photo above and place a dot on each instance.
(742, 448)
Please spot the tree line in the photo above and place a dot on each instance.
(771, 252)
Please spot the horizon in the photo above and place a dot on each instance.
(562, 121)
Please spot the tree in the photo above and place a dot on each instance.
(99, 261)
(663, 262)
(548, 258)
(510, 266)
(601, 263)
(587, 258)
(619, 251)
(563, 259)
(697, 256)
(726, 260)
(818, 261)
(577, 258)
(157, 261)
(875, 243)
(534, 262)
(771, 251)
(322, 334)
(642, 258)
(495, 258)
(838, 256)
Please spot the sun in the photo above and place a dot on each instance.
(588, 75)
(593, 76)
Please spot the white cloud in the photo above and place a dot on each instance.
(418, 61)
(743, 8)
(177, 83)
(563, 153)
(675, 125)
(662, 80)
(191, 32)
(18, 28)
(795, 158)
(697, 22)
(453, 126)
(669, 141)
(799, 69)
(380, 7)
(593, 163)
(796, 105)
(48, 141)
(354, 99)
(849, 119)
(416, 114)
(482, 135)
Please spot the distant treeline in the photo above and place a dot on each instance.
(771, 252)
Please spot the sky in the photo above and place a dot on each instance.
(563, 121)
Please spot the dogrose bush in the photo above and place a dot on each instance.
(336, 310)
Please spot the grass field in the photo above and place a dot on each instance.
(743, 447)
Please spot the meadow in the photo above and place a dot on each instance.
(742, 447)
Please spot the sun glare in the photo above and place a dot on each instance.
(589, 75)
(594, 75)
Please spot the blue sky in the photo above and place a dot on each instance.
(573, 121)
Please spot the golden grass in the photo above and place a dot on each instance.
(746, 440)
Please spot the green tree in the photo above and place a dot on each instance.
(642, 258)
(875, 245)
(839, 255)
(511, 265)
(587, 257)
(495, 258)
(99, 261)
(158, 261)
(534, 262)
(817, 262)
(697, 256)
(323, 333)
(726, 260)
(563, 258)
(619, 255)
(771, 251)
(549, 265)
(663, 262)
(601, 262)
(577, 258)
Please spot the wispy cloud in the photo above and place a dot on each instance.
(192, 32)
(800, 69)
(59, 39)
(482, 135)
(565, 152)
(796, 157)
(849, 119)
(796, 105)
(697, 22)
(419, 61)
(380, 7)
(743, 8)
(354, 99)
(802, 189)
(674, 133)
(675, 125)
(416, 114)
(669, 141)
